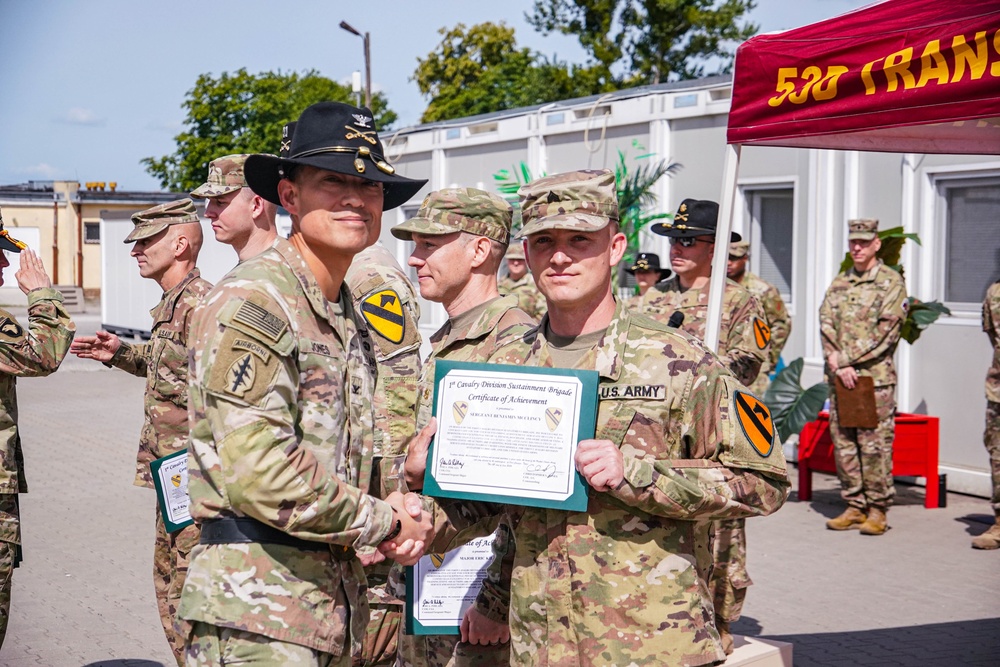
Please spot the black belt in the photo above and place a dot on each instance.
(242, 530)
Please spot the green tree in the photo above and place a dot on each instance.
(650, 41)
(481, 69)
(241, 112)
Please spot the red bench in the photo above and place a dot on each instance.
(914, 452)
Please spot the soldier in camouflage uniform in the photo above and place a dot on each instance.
(860, 321)
(34, 352)
(281, 375)
(521, 284)
(744, 342)
(240, 218)
(625, 581)
(770, 301)
(167, 240)
(991, 437)
(460, 235)
(647, 272)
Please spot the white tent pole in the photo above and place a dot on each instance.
(730, 169)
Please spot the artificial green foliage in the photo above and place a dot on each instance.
(792, 406)
(919, 316)
(240, 112)
(636, 195)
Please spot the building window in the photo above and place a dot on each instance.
(771, 212)
(91, 232)
(972, 238)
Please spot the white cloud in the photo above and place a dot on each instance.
(43, 169)
(81, 116)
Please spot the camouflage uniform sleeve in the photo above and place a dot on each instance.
(40, 350)
(266, 470)
(743, 475)
(828, 326)
(778, 320)
(743, 356)
(132, 358)
(886, 332)
(493, 600)
(991, 314)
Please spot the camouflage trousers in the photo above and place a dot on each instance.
(385, 624)
(991, 438)
(7, 550)
(171, 555)
(864, 455)
(210, 645)
(729, 580)
(448, 651)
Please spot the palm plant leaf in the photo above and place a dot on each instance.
(791, 406)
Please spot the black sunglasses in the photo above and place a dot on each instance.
(688, 241)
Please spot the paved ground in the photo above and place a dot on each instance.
(83, 596)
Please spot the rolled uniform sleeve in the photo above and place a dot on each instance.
(40, 350)
(132, 358)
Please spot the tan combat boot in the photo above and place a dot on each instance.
(725, 636)
(876, 523)
(851, 518)
(990, 539)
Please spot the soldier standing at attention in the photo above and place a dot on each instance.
(521, 284)
(240, 218)
(459, 236)
(744, 340)
(625, 581)
(35, 352)
(991, 325)
(860, 321)
(647, 272)
(281, 379)
(167, 240)
(770, 301)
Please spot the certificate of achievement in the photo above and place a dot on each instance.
(170, 477)
(508, 434)
(440, 587)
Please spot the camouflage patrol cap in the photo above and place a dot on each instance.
(154, 220)
(225, 175)
(459, 210)
(739, 249)
(862, 229)
(514, 251)
(586, 200)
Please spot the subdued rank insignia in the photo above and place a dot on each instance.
(761, 332)
(175, 480)
(10, 328)
(384, 313)
(552, 418)
(241, 374)
(755, 420)
(458, 410)
(437, 559)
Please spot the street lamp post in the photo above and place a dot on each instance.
(368, 60)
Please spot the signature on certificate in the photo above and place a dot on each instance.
(546, 469)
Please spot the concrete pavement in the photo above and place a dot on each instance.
(84, 596)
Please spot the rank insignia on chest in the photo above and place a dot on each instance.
(761, 333)
(241, 375)
(755, 420)
(383, 311)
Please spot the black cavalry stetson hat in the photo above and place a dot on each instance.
(648, 261)
(694, 217)
(337, 137)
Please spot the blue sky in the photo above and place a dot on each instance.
(91, 87)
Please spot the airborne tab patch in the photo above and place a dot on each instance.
(260, 320)
(761, 332)
(755, 420)
(384, 313)
(652, 392)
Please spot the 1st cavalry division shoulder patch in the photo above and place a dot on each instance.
(384, 313)
(755, 420)
(761, 332)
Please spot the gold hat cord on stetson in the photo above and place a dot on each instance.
(359, 164)
(20, 244)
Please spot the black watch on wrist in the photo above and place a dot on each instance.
(396, 530)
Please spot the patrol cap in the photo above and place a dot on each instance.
(739, 249)
(459, 210)
(694, 217)
(8, 242)
(154, 220)
(585, 200)
(225, 175)
(514, 251)
(862, 229)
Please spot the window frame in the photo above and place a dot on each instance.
(750, 227)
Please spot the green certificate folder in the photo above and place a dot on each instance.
(170, 477)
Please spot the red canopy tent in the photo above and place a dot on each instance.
(918, 76)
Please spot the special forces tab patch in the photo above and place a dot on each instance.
(384, 313)
(755, 420)
(761, 332)
(10, 329)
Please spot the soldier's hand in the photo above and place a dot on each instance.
(601, 463)
(32, 274)
(848, 376)
(416, 530)
(416, 456)
(477, 628)
(832, 362)
(100, 347)
(370, 556)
